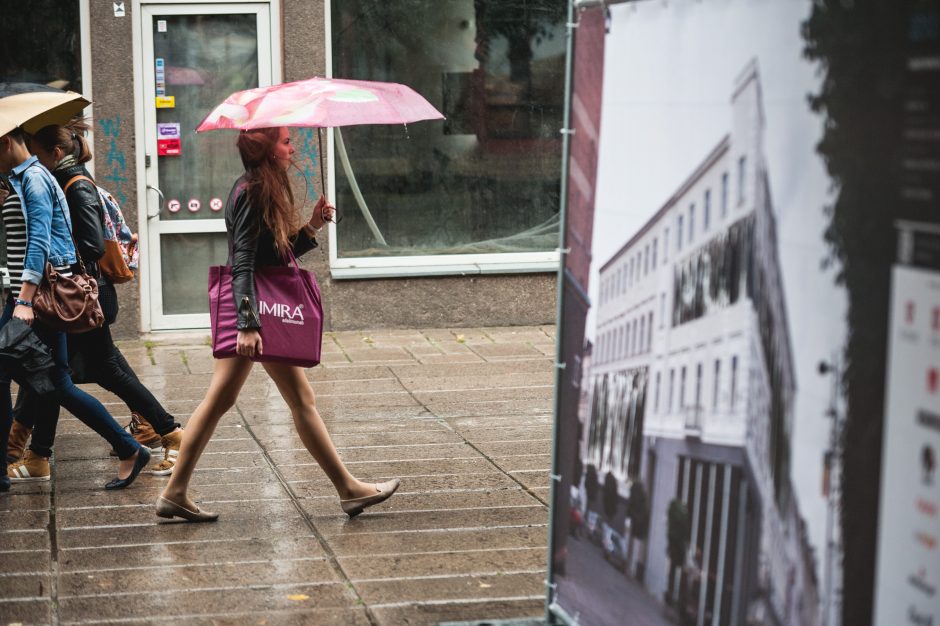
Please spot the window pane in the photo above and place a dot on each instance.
(205, 59)
(486, 179)
(40, 42)
(184, 262)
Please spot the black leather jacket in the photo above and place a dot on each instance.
(87, 215)
(251, 245)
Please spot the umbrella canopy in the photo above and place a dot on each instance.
(6, 125)
(37, 109)
(320, 103)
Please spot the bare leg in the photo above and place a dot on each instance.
(228, 377)
(297, 392)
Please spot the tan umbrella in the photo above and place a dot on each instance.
(6, 125)
(32, 111)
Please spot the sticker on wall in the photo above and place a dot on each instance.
(215, 204)
(118, 9)
(168, 147)
(194, 205)
(160, 63)
(168, 130)
(166, 102)
(173, 206)
(161, 26)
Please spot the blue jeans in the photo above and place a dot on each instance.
(83, 406)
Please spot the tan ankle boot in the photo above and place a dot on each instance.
(19, 435)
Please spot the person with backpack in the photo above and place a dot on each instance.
(39, 240)
(64, 151)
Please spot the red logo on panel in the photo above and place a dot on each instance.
(909, 312)
(933, 380)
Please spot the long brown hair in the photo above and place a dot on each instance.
(70, 138)
(268, 186)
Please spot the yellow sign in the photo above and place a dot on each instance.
(166, 102)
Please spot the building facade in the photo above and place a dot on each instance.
(451, 222)
(693, 389)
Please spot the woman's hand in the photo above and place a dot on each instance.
(25, 313)
(249, 343)
(322, 213)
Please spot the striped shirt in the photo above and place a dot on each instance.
(15, 224)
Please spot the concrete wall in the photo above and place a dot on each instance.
(115, 167)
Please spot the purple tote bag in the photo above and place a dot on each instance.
(289, 306)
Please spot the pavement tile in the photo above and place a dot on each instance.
(18, 520)
(367, 470)
(149, 602)
(461, 482)
(37, 612)
(431, 614)
(449, 359)
(526, 462)
(481, 561)
(148, 551)
(25, 585)
(17, 501)
(506, 350)
(18, 540)
(347, 616)
(520, 447)
(454, 500)
(231, 526)
(378, 520)
(36, 562)
(451, 588)
(378, 544)
(211, 575)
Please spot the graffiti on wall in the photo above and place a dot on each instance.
(115, 163)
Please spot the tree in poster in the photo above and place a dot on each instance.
(861, 49)
(677, 536)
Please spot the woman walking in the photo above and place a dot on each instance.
(262, 224)
(64, 151)
(38, 230)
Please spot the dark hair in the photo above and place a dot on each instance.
(70, 138)
(268, 186)
(17, 134)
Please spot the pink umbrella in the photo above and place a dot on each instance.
(320, 103)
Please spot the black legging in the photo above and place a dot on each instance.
(104, 366)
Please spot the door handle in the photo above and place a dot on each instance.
(150, 215)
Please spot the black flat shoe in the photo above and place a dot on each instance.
(143, 458)
(4, 483)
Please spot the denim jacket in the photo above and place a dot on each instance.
(48, 229)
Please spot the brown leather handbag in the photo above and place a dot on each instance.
(68, 303)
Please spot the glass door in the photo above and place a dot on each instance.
(195, 55)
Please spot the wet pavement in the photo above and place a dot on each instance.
(462, 416)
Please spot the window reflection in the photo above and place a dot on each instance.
(486, 179)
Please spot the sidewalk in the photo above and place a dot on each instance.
(462, 416)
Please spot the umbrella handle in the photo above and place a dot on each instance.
(344, 159)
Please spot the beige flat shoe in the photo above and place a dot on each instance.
(355, 506)
(169, 510)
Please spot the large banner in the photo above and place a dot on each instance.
(740, 177)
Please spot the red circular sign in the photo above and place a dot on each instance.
(194, 205)
(215, 204)
(173, 206)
